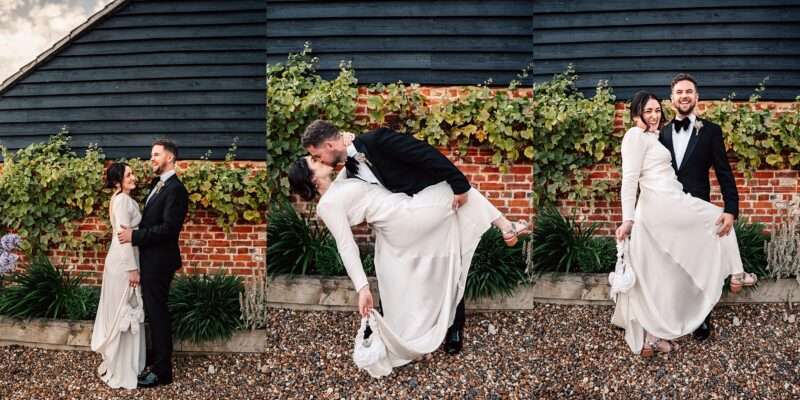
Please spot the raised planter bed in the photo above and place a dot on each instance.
(336, 293)
(77, 335)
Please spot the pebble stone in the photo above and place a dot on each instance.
(550, 352)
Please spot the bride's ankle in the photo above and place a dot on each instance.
(503, 224)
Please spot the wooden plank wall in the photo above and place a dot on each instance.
(429, 42)
(728, 45)
(192, 71)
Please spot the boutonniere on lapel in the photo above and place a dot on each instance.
(158, 187)
(698, 125)
(362, 158)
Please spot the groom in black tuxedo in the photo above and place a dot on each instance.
(696, 145)
(402, 164)
(159, 256)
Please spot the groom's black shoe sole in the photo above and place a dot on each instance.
(703, 331)
(454, 341)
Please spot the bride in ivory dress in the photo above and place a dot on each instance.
(679, 260)
(118, 333)
(423, 251)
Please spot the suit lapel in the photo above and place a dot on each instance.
(155, 196)
(692, 144)
(666, 135)
(362, 148)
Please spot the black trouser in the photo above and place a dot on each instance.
(155, 293)
(458, 321)
(461, 317)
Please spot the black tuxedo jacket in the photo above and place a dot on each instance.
(705, 149)
(162, 221)
(404, 164)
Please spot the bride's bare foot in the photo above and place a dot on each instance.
(511, 236)
(424, 358)
(738, 281)
(653, 344)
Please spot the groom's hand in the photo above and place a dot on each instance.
(124, 235)
(364, 301)
(725, 221)
(459, 200)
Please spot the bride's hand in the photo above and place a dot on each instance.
(624, 230)
(133, 278)
(364, 301)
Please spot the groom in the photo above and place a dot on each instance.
(159, 256)
(401, 164)
(696, 145)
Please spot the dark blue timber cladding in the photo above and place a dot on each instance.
(429, 42)
(191, 71)
(729, 46)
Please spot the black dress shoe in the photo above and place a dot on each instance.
(143, 374)
(454, 341)
(704, 330)
(152, 380)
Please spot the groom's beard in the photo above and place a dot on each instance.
(688, 111)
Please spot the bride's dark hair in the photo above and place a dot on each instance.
(115, 174)
(301, 180)
(639, 102)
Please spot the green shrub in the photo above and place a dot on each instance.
(205, 307)
(327, 261)
(44, 291)
(496, 269)
(561, 244)
(296, 243)
(600, 255)
(752, 240)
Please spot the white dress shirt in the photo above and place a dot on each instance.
(364, 171)
(680, 140)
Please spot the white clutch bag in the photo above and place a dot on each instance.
(623, 278)
(132, 313)
(370, 353)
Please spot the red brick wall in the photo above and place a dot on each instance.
(509, 191)
(205, 246)
(759, 197)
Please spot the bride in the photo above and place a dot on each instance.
(118, 333)
(423, 251)
(679, 260)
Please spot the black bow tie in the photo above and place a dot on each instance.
(352, 166)
(681, 124)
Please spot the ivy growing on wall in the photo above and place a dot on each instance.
(46, 190)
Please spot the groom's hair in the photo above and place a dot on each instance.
(318, 132)
(682, 77)
(168, 145)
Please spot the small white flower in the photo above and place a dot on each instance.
(362, 158)
(698, 125)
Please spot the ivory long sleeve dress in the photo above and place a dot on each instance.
(423, 252)
(679, 260)
(118, 333)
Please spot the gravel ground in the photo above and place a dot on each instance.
(27, 373)
(551, 352)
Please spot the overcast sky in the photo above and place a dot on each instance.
(29, 27)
